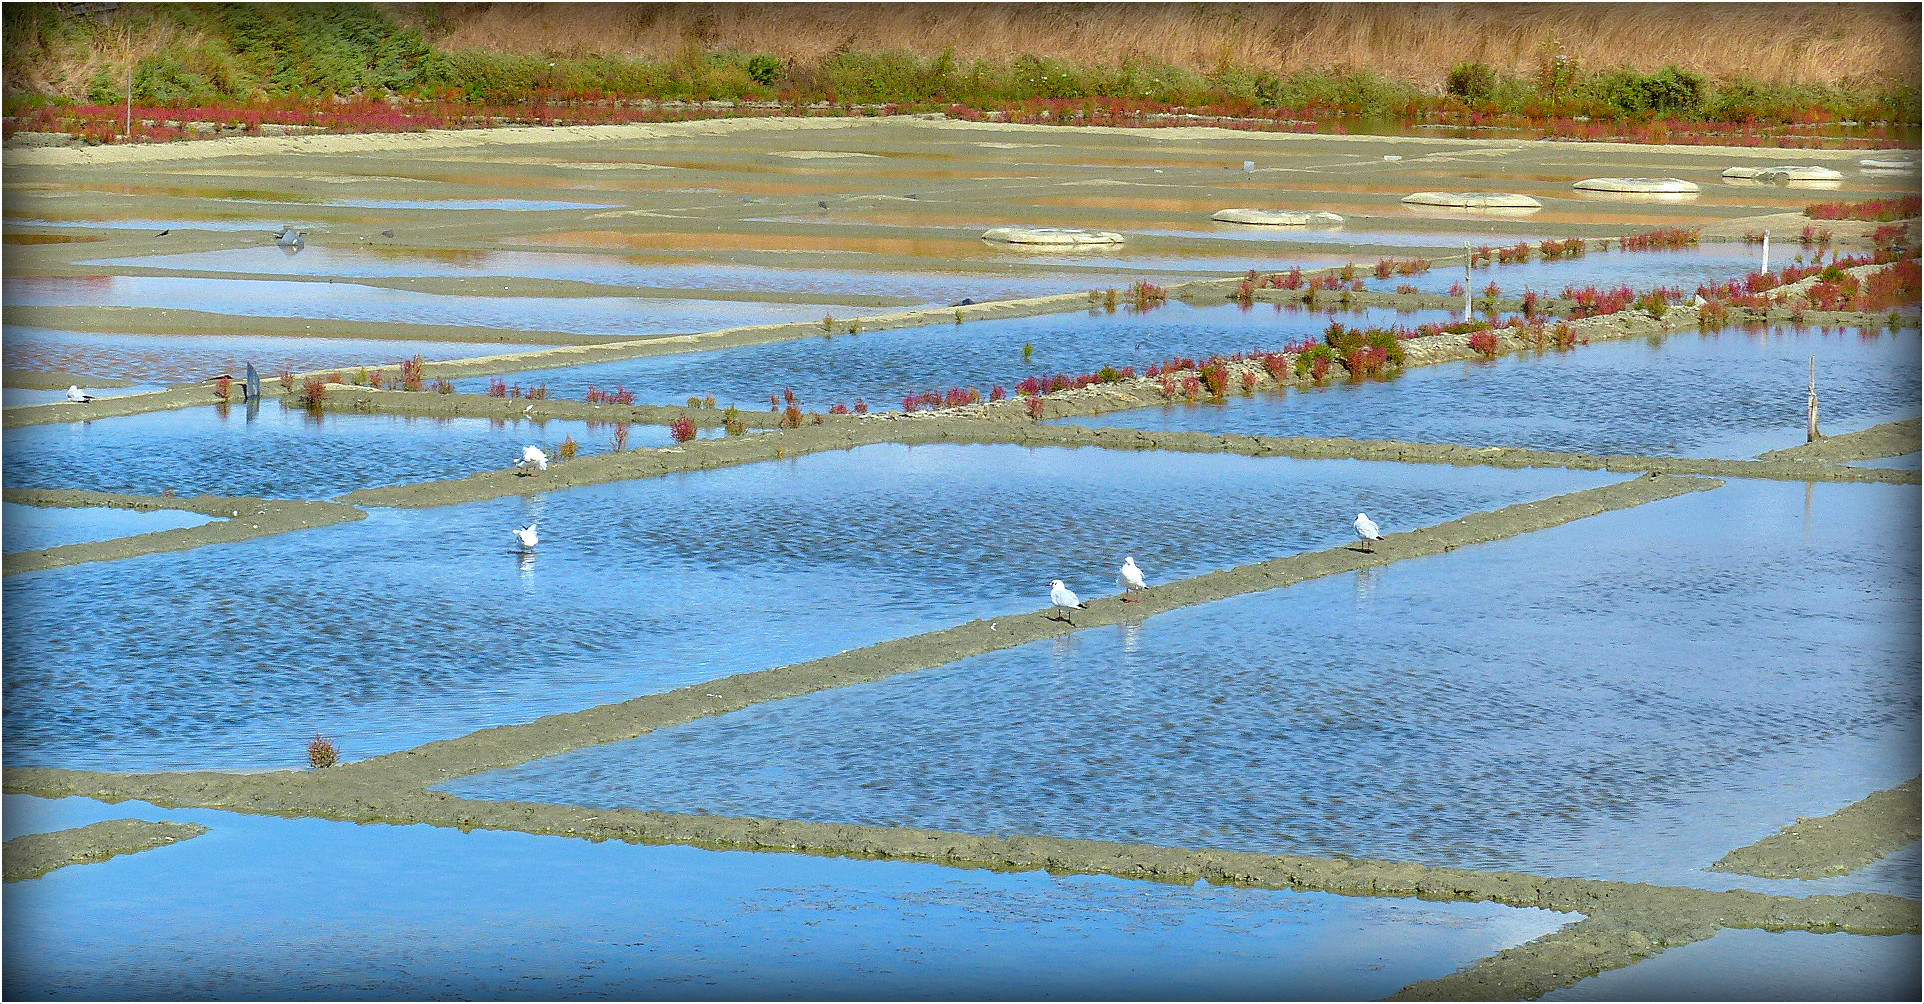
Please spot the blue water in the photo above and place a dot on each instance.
(164, 359)
(32, 528)
(424, 624)
(589, 315)
(1640, 270)
(1748, 965)
(1906, 462)
(1629, 696)
(880, 367)
(303, 909)
(1728, 394)
(281, 451)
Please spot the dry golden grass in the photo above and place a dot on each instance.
(1779, 43)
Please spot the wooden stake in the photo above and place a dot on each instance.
(1810, 430)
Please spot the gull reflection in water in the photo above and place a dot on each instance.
(1366, 581)
(526, 561)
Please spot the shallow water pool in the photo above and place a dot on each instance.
(1640, 270)
(1728, 394)
(879, 367)
(265, 908)
(1753, 965)
(587, 315)
(1629, 696)
(278, 451)
(164, 359)
(425, 624)
(32, 528)
(808, 272)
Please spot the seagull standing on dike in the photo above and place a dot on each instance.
(1064, 600)
(1366, 529)
(1131, 578)
(531, 456)
(77, 396)
(528, 537)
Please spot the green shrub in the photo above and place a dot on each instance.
(764, 69)
(1473, 82)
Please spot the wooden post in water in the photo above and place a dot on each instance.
(1811, 435)
(1766, 266)
(1467, 282)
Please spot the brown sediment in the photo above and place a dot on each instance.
(35, 854)
(1892, 439)
(241, 518)
(1839, 843)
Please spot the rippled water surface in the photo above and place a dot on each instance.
(1728, 394)
(31, 528)
(180, 358)
(1752, 965)
(1640, 270)
(588, 315)
(880, 367)
(302, 909)
(424, 624)
(275, 451)
(1627, 697)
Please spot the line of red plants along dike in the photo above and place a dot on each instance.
(1869, 211)
(171, 121)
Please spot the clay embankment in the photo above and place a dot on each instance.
(36, 854)
(1842, 842)
(1892, 439)
(238, 518)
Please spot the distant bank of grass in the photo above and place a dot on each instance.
(354, 67)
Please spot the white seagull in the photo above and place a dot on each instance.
(532, 456)
(1131, 578)
(527, 537)
(1064, 600)
(1367, 530)
(77, 396)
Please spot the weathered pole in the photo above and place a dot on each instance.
(1811, 435)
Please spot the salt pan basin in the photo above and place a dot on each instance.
(277, 451)
(428, 624)
(1050, 235)
(1276, 217)
(1482, 709)
(428, 913)
(1472, 200)
(1647, 186)
(1732, 394)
